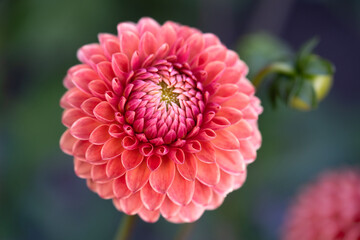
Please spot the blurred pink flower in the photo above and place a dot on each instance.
(161, 119)
(329, 209)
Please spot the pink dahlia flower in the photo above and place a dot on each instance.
(329, 209)
(161, 119)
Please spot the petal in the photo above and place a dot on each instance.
(239, 180)
(242, 129)
(75, 97)
(100, 135)
(147, 24)
(149, 216)
(191, 212)
(120, 64)
(169, 208)
(71, 115)
(202, 194)
(114, 168)
(112, 148)
(207, 153)
(82, 169)
(232, 114)
(83, 77)
(89, 104)
(132, 204)
(98, 88)
(231, 75)
(83, 127)
(167, 34)
(196, 44)
(248, 150)
(105, 190)
(177, 155)
(231, 162)
(161, 179)
(120, 188)
(225, 184)
(79, 148)
(189, 168)
(216, 201)
(239, 101)
(148, 44)
(181, 191)
(129, 43)
(104, 112)
(67, 142)
(151, 199)
(225, 140)
(98, 173)
(93, 154)
(153, 162)
(85, 52)
(208, 173)
(137, 177)
(131, 159)
(105, 72)
(214, 71)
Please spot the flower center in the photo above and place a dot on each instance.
(164, 103)
(167, 94)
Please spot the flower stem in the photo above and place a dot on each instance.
(125, 228)
(185, 231)
(277, 67)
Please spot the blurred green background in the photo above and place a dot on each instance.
(40, 196)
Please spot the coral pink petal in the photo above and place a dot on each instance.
(83, 127)
(188, 169)
(131, 159)
(120, 64)
(105, 190)
(216, 201)
(112, 148)
(115, 168)
(88, 105)
(231, 162)
(85, 52)
(191, 212)
(239, 101)
(120, 188)
(83, 77)
(225, 184)
(129, 43)
(167, 34)
(127, 26)
(82, 169)
(132, 204)
(214, 71)
(242, 129)
(169, 209)
(247, 150)
(100, 135)
(98, 173)
(181, 190)
(137, 177)
(104, 112)
(148, 44)
(208, 173)
(80, 148)
(153, 162)
(105, 71)
(67, 142)
(177, 155)
(231, 75)
(232, 114)
(76, 97)
(239, 180)
(71, 115)
(147, 24)
(151, 199)
(226, 140)
(93, 154)
(149, 216)
(202, 194)
(207, 153)
(161, 179)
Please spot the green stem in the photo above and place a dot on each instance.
(277, 67)
(125, 228)
(185, 231)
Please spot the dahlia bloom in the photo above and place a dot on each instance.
(329, 209)
(161, 119)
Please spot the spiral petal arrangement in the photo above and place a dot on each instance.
(161, 119)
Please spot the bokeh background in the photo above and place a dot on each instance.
(40, 196)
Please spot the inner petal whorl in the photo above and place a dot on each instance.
(164, 104)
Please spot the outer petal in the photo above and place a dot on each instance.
(161, 179)
(151, 199)
(181, 190)
(132, 204)
(231, 162)
(208, 173)
(137, 177)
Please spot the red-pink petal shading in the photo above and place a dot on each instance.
(93, 154)
(216, 201)
(247, 150)
(137, 177)
(129, 43)
(230, 75)
(88, 105)
(112, 148)
(231, 162)
(242, 129)
(132, 204)
(120, 64)
(105, 190)
(161, 179)
(120, 188)
(208, 173)
(105, 72)
(169, 208)
(147, 44)
(100, 135)
(115, 168)
(67, 142)
(104, 112)
(98, 173)
(225, 140)
(239, 101)
(151, 199)
(232, 114)
(131, 159)
(153, 162)
(83, 127)
(214, 71)
(191, 212)
(82, 169)
(202, 194)
(75, 97)
(207, 153)
(177, 155)
(225, 184)
(181, 191)
(71, 115)
(149, 216)
(85, 52)
(188, 169)
(83, 77)
(80, 148)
